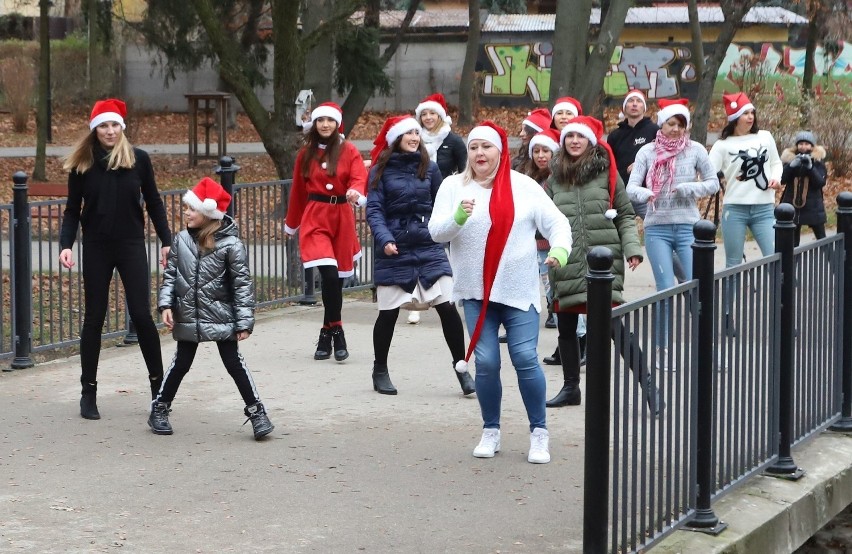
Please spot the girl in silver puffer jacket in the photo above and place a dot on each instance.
(208, 295)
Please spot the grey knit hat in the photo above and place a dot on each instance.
(805, 136)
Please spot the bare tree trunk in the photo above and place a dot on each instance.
(590, 87)
(734, 11)
(697, 37)
(468, 75)
(43, 110)
(319, 60)
(358, 98)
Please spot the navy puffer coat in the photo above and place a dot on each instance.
(398, 211)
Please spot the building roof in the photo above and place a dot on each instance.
(658, 15)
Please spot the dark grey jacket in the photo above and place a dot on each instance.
(211, 295)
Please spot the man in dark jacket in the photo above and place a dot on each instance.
(633, 132)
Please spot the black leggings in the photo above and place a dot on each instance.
(450, 323)
(100, 259)
(819, 232)
(231, 357)
(631, 352)
(332, 294)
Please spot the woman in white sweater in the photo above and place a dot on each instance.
(748, 159)
(489, 214)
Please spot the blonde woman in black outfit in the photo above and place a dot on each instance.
(106, 179)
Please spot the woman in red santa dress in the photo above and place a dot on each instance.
(328, 180)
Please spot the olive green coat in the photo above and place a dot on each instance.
(585, 204)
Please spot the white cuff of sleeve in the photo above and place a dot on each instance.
(289, 230)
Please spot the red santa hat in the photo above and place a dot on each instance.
(736, 105)
(634, 93)
(329, 109)
(592, 129)
(538, 119)
(209, 198)
(393, 128)
(437, 104)
(111, 109)
(549, 138)
(568, 103)
(502, 211)
(670, 108)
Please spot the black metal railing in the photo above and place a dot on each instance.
(712, 382)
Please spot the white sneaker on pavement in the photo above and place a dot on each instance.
(539, 446)
(488, 445)
(414, 318)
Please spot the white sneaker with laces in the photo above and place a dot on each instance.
(488, 445)
(539, 446)
(414, 318)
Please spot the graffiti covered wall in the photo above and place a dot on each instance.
(519, 73)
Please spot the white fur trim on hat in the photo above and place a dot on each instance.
(326, 111)
(634, 94)
(206, 207)
(484, 132)
(400, 128)
(578, 128)
(435, 107)
(566, 106)
(740, 110)
(106, 116)
(543, 140)
(669, 111)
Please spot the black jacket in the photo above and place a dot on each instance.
(452, 155)
(108, 203)
(803, 187)
(626, 141)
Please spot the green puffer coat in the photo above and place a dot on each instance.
(584, 205)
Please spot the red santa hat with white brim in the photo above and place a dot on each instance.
(592, 129)
(435, 102)
(570, 104)
(111, 109)
(329, 109)
(393, 128)
(736, 105)
(633, 93)
(549, 138)
(671, 108)
(208, 198)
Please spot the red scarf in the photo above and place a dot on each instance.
(502, 212)
(661, 174)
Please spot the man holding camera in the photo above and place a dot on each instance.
(803, 178)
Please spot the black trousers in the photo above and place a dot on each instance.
(332, 294)
(100, 259)
(451, 324)
(231, 357)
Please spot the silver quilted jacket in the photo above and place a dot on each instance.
(211, 295)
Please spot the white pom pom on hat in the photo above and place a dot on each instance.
(208, 198)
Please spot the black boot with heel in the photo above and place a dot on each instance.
(339, 339)
(323, 345)
(381, 379)
(569, 394)
(88, 401)
(468, 385)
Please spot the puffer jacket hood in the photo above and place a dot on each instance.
(584, 204)
(211, 294)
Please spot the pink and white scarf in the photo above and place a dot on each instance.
(661, 174)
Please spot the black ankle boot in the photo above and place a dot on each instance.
(340, 352)
(569, 395)
(550, 322)
(323, 345)
(260, 423)
(556, 359)
(468, 385)
(88, 401)
(381, 380)
(158, 421)
(156, 383)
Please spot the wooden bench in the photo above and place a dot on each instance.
(48, 190)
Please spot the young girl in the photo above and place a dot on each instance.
(208, 295)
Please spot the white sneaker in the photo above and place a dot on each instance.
(414, 318)
(539, 446)
(488, 445)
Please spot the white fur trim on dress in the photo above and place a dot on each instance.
(543, 140)
(484, 132)
(106, 116)
(400, 128)
(326, 111)
(578, 128)
(290, 230)
(670, 111)
(435, 107)
(742, 109)
(206, 207)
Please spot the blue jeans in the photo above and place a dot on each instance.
(661, 242)
(759, 218)
(522, 338)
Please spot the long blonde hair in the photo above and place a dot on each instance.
(82, 158)
(206, 234)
